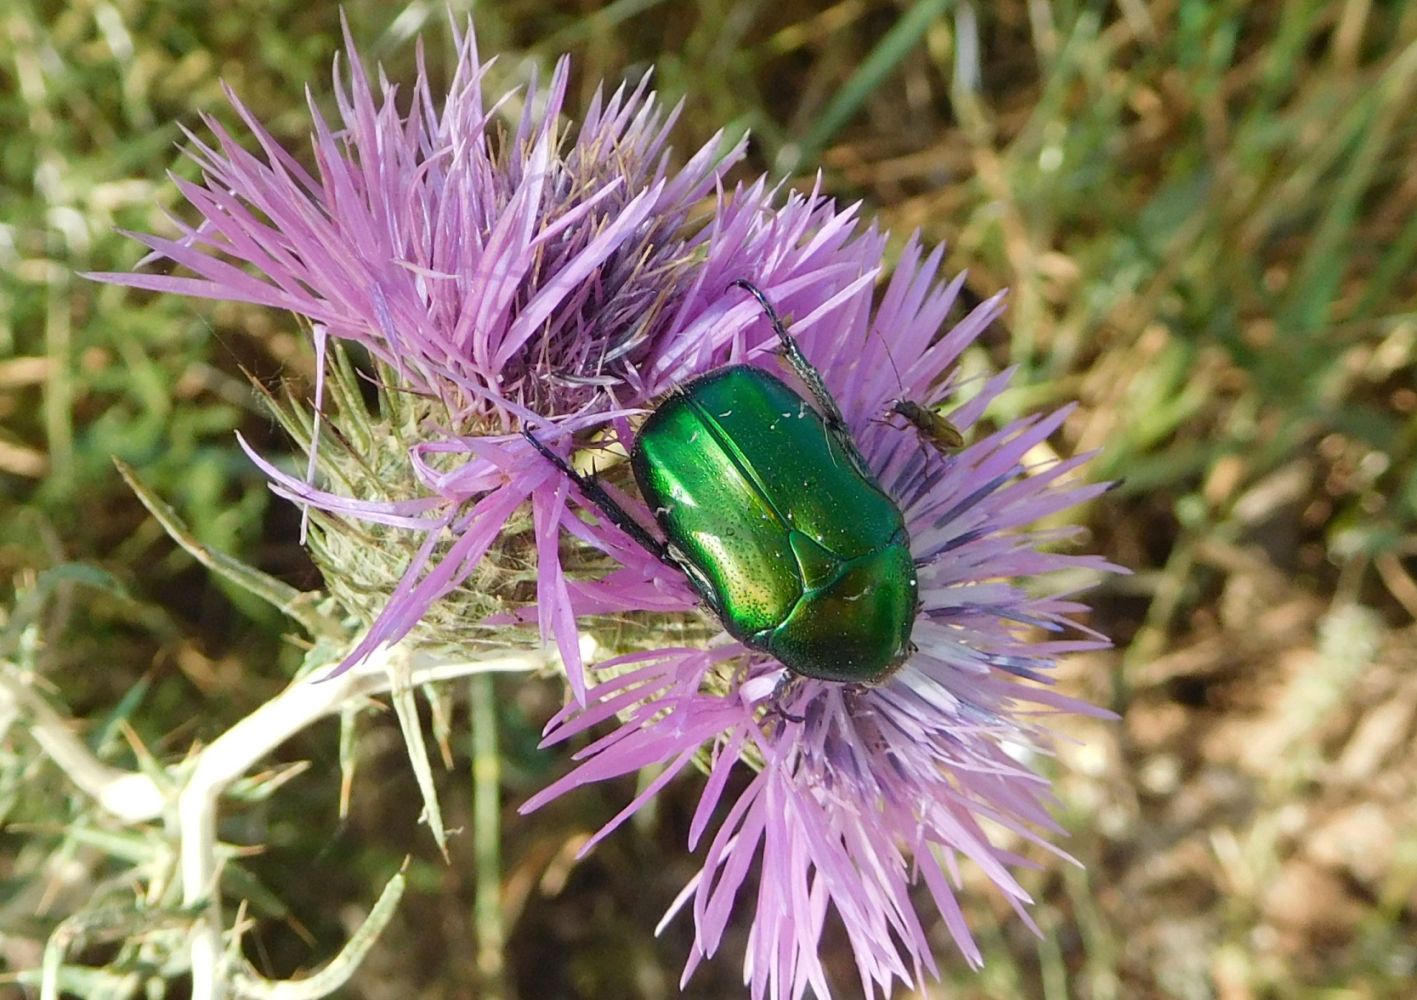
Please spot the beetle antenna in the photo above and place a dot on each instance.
(890, 358)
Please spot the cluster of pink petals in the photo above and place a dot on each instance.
(866, 792)
(561, 283)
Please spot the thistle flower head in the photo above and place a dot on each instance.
(500, 276)
(536, 276)
(862, 792)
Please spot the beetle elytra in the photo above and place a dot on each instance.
(772, 515)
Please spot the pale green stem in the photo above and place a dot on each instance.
(487, 834)
(133, 797)
(244, 744)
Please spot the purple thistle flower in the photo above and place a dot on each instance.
(502, 280)
(861, 793)
(565, 284)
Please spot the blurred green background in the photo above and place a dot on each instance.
(1207, 215)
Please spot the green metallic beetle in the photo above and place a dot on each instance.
(769, 510)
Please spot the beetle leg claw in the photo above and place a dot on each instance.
(784, 687)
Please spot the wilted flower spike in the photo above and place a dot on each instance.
(862, 792)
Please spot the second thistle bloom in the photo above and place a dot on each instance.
(859, 792)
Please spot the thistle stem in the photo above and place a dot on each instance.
(244, 744)
(487, 834)
(134, 797)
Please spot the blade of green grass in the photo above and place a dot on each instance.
(884, 58)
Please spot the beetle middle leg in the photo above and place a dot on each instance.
(606, 504)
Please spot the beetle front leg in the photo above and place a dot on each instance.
(804, 368)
